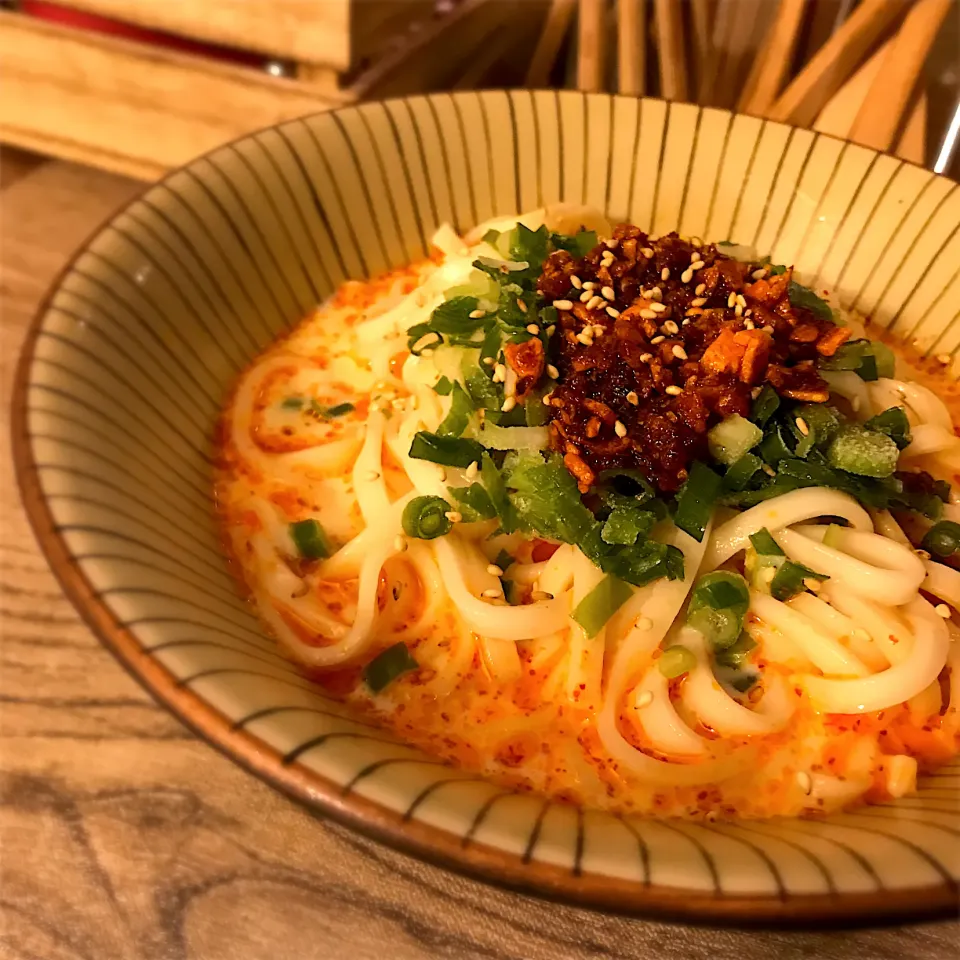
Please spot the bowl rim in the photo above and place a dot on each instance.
(322, 797)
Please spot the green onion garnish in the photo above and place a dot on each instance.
(458, 416)
(737, 654)
(894, 423)
(449, 451)
(742, 472)
(310, 540)
(443, 386)
(718, 604)
(473, 502)
(676, 660)
(765, 545)
(385, 667)
(696, 500)
(942, 539)
(503, 560)
(600, 604)
(864, 452)
(788, 580)
(765, 406)
(338, 410)
(292, 403)
(426, 518)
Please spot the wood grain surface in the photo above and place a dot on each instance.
(124, 838)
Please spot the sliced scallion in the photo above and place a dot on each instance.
(765, 545)
(942, 539)
(310, 540)
(448, 451)
(676, 660)
(696, 500)
(789, 580)
(718, 604)
(386, 666)
(894, 423)
(765, 405)
(426, 518)
(458, 416)
(600, 604)
(293, 403)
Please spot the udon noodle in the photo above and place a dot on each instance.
(616, 578)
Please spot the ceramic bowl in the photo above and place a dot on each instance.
(131, 354)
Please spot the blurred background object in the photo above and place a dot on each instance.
(141, 86)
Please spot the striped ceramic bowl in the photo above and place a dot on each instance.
(131, 353)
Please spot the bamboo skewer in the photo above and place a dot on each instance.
(839, 57)
(673, 72)
(555, 28)
(631, 46)
(590, 44)
(912, 145)
(773, 60)
(880, 116)
(838, 116)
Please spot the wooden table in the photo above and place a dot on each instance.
(124, 837)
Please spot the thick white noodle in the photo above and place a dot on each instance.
(889, 634)
(841, 627)
(793, 507)
(500, 622)
(897, 684)
(666, 730)
(919, 400)
(943, 582)
(892, 576)
(557, 576)
(368, 482)
(848, 385)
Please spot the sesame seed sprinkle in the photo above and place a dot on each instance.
(943, 610)
(492, 593)
(494, 570)
(804, 781)
(645, 358)
(759, 274)
(665, 273)
(679, 352)
(633, 398)
(655, 293)
(399, 544)
(454, 516)
(698, 302)
(657, 340)
(586, 296)
(533, 328)
(576, 281)
(658, 307)
(945, 359)
(595, 304)
(608, 294)
(589, 285)
(670, 327)
(612, 243)
(613, 312)
(648, 315)
(697, 265)
(802, 426)
(738, 310)
(673, 391)
(701, 289)
(686, 276)
(644, 699)
(508, 404)
(563, 304)
(647, 252)
(731, 300)
(552, 372)
(477, 314)
(488, 361)
(619, 429)
(472, 470)
(748, 324)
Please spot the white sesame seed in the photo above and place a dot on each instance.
(595, 304)
(589, 285)
(508, 404)
(738, 310)
(510, 387)
(585, 338)
(399, 544)
(648, 315)
(802, 426)
(472, 470)
(742, 300)
(694, 256)
(586, 296)
(499, 373)
(612, 243)
(644, 623)
(658, 308)
(673, 391)
(619, 429)
(607, 259)
(608, 294)
(697, 265)
(685, 322)
(814, 586)
(701, 289)
(441, 472)
(477, 314)
(670, 327)
(647, 252)
(686, 276)
(633, 398)
(698, 302)
(552, 372)
(804, 781)
(371, 475)
(521, 305)
(563, 304)
(425, 341)
(454, 516)
(492, 593)
(494, 570)
(769, 471)
(488, 361)
(644, 699)
(732, 300)
(655, 293)
(665, 273)
(576, 281)
(645, 358)
(943, 610)
(537, 595)
(551, 329)
(679, 352)
(922, 554)
(759, 274)
(945, 359)
(533, 328)
(747, 312)
(598, 330)
(613, 312)
(657, 340)
(748, 325)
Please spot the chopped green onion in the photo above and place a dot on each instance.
(885, 359)
(894, 423)
(765, 545)
(512, 591)
(458, 416)
(742, 472)
(453, 316)
(473, 502)
(863, 452)
(776, 269)
(535, 411)
(310, 539)
(833, 536)
(848, 356)
(774, 447)
(626, 523)
(737, 654)
(765, 406)
(801, 296)
(426, 518)
(718, 604)
(600, 604)
(676, 660)
(732, 438)
(416, 333)
(504, 560)
(529, 245)
(385, 667)
(340, 409)
(942, 539)
(292, 403)
(868, 368)
(820, 422)
(443, 386)
(788, 580)
(744, 682)
(579, 244)
(696, 500)
(449, 451)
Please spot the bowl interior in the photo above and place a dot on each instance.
(124, 376)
